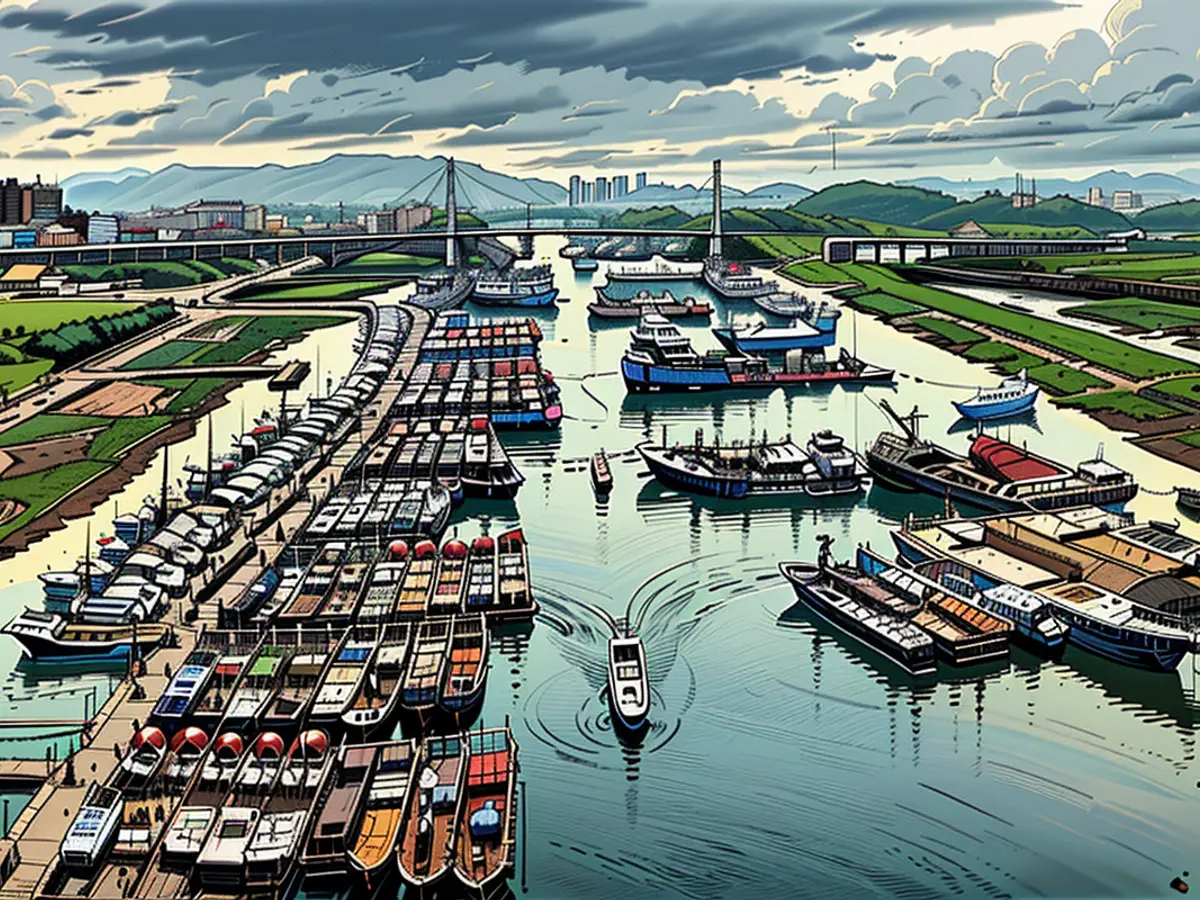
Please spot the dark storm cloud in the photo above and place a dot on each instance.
(711, 41)
(62, 134)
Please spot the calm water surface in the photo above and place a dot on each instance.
(783, 760)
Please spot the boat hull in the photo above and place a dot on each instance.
(531, 299)
(773, 345)
(647, 377)
(635, 311)
(996, 410)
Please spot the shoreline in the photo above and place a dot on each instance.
(1156, 436)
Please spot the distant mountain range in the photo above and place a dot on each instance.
(1155, 187)
(370, 181)
(374, 180)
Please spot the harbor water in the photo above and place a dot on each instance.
(782, 759)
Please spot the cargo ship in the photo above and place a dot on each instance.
(851, 602)
(822, 468)
(443, 290)
(656, 269)
(735, 281)
(665, 304)
(660, 358)
(995, 475)
(533, 286)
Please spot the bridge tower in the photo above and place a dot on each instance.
(714, 244)
(451, 218)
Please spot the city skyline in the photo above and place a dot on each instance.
(1113, 84)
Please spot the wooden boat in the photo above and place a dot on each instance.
(428, 662)
(340, 819)
(480, 592)
(426, 850)
(466, 673)
(378, 698)
(298, 687)
(487, 827)
(139, 766)
(284, 826)
(195, 818)
(310, 596)
(236, 649)
(344, 599)
(418, 581)
(446, 598)
(602, 480)
(628, 682)
(372, 854)
(259, 682)
(513, 593)
(344, 677)
(665, 304)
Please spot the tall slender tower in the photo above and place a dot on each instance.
(451, 218)
(714, 245)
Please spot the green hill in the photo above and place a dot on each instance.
(884, 203)
(654, 217)
(1182, 216)
(1057, 212)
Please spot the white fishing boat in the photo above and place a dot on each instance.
(628, 682)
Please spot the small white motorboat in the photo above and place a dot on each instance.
(628, 682)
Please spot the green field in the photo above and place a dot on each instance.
(1127, 402)
(1049, 232)
(296, 290)
(1062, 380)
(28, 316)
(260, 332)
(163, 274)
(1007, 359)
(172, 353)
(815, 272)
(15, 376)
(1192, 438)
(1099, 263)
(792, 245)
(1149, 269)
(1097, 348)
(122, 433)
(951, 331)
(1184, 388)
(886, 305)
(384, 262)
(192, 392)
(45, 425)
(1146, 315)
(882, 229)
(42, 490)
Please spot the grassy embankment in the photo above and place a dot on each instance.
(165, 274)
(888, 294)
(111, 437)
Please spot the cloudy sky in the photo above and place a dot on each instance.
(912, 87)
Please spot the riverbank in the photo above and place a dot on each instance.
(1143, 394)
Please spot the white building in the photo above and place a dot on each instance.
(103, 230)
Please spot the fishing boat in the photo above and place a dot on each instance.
(660, 358)
(286, 818)
(607, 306)
(735, 281)
(513, 593)
(443, 290)
(378, 699)
(532, 286)
(846, 599)
(425, 852)
(236, 649)
(340, 817)
(628, 682)
(1097, 619)
(995, 474)
(446, 598)
(147, 752)
(50, 637)
(417, 582)
(194, 820)
(186, 749)
(344, 677)
(787, 305)
(487, 829)
(759, 337)
(602, 480)
(305, 671)
(424, 677)
(93, 830)
(1014, 395)
(1031, 615)
(656, 269)
(1188, 498)
(480, 593)
(466, 670)
(487, 470)
(824, 467)
(372, 852)
(962, 633)
(259, 683)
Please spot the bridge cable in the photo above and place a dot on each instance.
(504, 194)
(413, 190)
(527, 185)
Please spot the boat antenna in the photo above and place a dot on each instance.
(853, 334)
(208, 469)
(162, 500)
(87, 561)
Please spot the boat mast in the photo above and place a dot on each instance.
(162, 499)
(208, 468)
(87, 561)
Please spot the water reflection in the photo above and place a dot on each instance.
(1028, 419)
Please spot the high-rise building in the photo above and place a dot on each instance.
(587, 192)
(620, 186)
(601, 189)
(41, 201)
(102, 230)
(10, 202)
(576, 195)
(1126, 200)
(640, 180)
(1095, 196)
